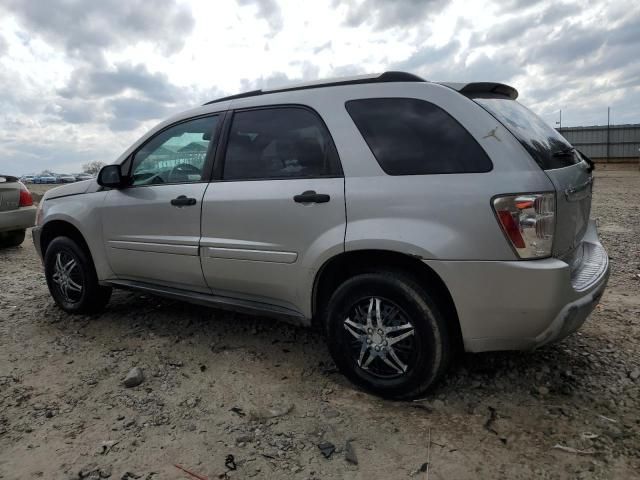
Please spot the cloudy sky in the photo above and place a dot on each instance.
(81, 80)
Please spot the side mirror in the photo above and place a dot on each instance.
(111, 177)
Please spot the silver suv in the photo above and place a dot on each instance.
(405, 218)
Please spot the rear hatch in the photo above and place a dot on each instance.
(9, 193)
(567, 168)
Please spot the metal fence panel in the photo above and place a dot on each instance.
(619, 142)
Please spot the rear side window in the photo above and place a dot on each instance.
(414, 137)
(280, 142)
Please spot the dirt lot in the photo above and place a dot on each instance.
(218, 384)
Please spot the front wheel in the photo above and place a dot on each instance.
(72, 279)
(387, 335)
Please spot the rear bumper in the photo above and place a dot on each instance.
(573, 315)
(19, 219)
(521, 305)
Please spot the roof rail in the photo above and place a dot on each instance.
(330, 82)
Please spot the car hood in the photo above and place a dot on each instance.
(71, 189)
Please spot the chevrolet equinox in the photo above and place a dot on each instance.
(403, 217)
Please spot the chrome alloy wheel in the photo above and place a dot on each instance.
(381, 336)
(67, 277)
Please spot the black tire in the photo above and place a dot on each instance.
(64, 278)
(12, 238)
(417, 361)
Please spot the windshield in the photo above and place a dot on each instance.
(548, 148)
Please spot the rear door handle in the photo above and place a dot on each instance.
(310, 196)
(183, 201)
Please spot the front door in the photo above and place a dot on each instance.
(152, 227)
(277, 209)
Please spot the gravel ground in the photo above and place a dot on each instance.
(217, 384)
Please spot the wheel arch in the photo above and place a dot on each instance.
(62, 228)
(347, 264)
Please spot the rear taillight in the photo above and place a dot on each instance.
(26, 200)
(528, 221)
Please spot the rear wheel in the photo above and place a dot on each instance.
(72, 279)
(387, 335)
(12, 238)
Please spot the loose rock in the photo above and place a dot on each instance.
(327, 449)
(134, 378)
(350, 453)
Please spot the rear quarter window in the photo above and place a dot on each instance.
(408, 136)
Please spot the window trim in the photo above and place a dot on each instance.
(491, 166)
(209, 156)
(220, 158)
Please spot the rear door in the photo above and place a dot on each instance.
(276, 208)
(567, 169)
(152, 228)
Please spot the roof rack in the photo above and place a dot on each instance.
(330, 82)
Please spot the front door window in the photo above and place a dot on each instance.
(175, 155)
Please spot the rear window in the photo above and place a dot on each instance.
(414, 137)
(548, 148)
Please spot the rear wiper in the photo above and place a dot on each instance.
(592, 164)
(565, 152)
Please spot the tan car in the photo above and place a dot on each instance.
(17, 212)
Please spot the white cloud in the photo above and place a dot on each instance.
(81, 80)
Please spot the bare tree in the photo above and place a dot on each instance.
(93, 168)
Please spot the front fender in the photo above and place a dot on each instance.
(82, 212)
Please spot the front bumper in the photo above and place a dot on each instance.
(35, 233)
(19, 219)
(521, 305)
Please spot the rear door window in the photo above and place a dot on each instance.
(414, 137)
(279, 142)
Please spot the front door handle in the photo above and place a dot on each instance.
(183, 201)
(310, 196)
